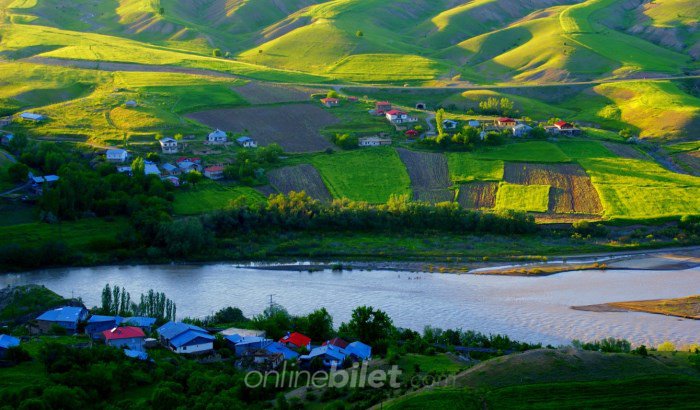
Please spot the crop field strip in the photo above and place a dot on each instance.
(571, 188)
(478, 195)
(295, 127)
(257, 93)
(430, 177)
(300, 178)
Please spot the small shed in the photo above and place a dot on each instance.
(247, 142)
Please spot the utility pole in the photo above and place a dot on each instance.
(271, 302)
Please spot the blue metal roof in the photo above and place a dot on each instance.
(136, 354)
(327, 350)
(102, 319)
(63, 314)
(140, 321)
(188, 336)
(244, 139)
(7, 341)
(276, 347)
(360, 350)
(171, 329)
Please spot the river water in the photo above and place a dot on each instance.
(534, 309)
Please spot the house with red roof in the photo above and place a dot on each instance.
(411, 133)
(127, 337)
(506, 122)
(382, 107)
(337, 342)
(330, 102)
(563, 128)
(296, 340)
(214, 172)
(399, 117)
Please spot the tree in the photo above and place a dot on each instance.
(138, 166)
(439, 118)
(332, 94)
(368, 325)
(319, 325)
(18, 172)
(359, 33)
(193, 177)
(216, 52)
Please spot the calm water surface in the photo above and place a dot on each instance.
(529, 309)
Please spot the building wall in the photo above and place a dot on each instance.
(134, 343)
(195, 348)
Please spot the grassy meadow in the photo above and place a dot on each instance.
(210, 196)
(530, 198)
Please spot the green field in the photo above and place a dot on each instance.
(370, 175)
(465, 167)
(80, 234)
(210, 196)
(531, 198)
(534, 151)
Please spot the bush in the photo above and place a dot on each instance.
(666, 347)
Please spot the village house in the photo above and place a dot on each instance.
(337, 342)
(521, 130)
(172, 179)
(563, 128)
(217, 137)
(183, 338)
(98, 324)
(168, 145)
(244, 344)
(261, 360)
(142, 322)
(6, 342)
(330, 356)
(330, 102)
(277, 347)
(373, 141)
(116, 155)
(66, 317)
(214, 172)
(246, 142)
(170, 169)
(30, 116)
(506, 122)
(127, 337)
(6, 138)
(399, 117)
(5, 121)
(39, 182)
(242, 332)
(189, 164)
(296, 340)
(411, 133)
(450, 124)
(359, 350)
(150, 168)
(382, 107)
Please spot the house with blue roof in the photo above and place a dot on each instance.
(98, 324)
(145, 323)
(6, 342)
(329, 355)
(246, 142)
(276, 347)
(245, 344)
(359, 351)
(67, 317)
(136, 354)
(183, 338)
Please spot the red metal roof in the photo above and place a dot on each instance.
(297, 339)
(126, 332)
(337, 342)
(329, 100)
(395, 112)
(506, 119)
(562, 124)
(411, 132)
(214, 168)
(384, 103)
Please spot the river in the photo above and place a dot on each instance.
(533, 309)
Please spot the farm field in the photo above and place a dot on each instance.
(532, 151)
(210, 196)
(296, 127)
(478, 195)
(466, 167)
(429, 175)
(256, 92)
(530, 198)
(299, 178)
(370, 175)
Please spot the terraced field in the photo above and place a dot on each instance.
(300, 178)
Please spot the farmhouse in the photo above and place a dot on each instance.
(116, 155)
(246, 142)
(276, 347)
(189, 164)
(330, 356)
(30, 116)
(382, 107)
(566, 128)
(5, 121)
(39, 182)
(217, 137)
(450, 124)
(521, 130)
(7, 342)
(168, 145)
(214, 172)
(330, 102)
(399, 117)
(373, 141)
(506, 122)
(296, 340)
(98, 324)
(182, 338)
(6, 139)
(67, 317)
(128, 337)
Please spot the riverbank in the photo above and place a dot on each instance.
(687, 308)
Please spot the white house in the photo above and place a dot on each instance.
(399, 117)
(116, 155)
(168, 145)
(450, 124)
(182, 338)
(521, 130)
(217, 137)
(373, 141)
(30, 116)
(247, 142)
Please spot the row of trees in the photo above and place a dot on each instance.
(117, 301)
(298, 211)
